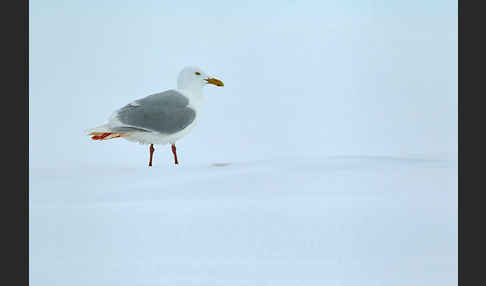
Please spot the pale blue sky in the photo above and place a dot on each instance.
(301, 77)
(253, 7)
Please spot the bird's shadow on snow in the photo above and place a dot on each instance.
(220, 164)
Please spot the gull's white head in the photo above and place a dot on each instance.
(193, 79)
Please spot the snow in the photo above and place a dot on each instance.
(283, 221)
(328, 158)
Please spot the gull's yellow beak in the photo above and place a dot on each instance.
(215, 81)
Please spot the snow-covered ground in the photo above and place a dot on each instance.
(289, 221)
(266, 193)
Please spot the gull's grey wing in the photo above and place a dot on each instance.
(166, 112)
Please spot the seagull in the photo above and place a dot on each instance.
(160, 118)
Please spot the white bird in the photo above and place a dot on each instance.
(161, 118)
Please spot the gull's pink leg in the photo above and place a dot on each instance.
(151, 154)
(175, 154)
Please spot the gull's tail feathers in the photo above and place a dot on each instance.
(103, 132)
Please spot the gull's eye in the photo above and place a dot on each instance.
(197, 73)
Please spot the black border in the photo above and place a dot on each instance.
(470, 149)
(14, 213)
